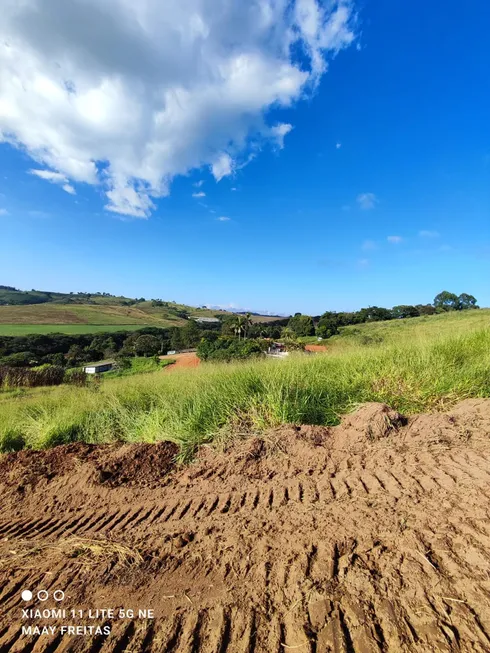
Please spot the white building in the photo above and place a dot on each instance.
(98, 368)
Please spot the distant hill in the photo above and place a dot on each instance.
(86, 312)
(14, 297)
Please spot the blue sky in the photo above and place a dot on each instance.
(376, 191)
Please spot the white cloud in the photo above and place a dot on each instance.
(338, 145)
(279, 132)
(3, 212)
(131, 94)
(55, 178)
(367, 201)
(198, 184)
(223, 218)
(369, 245)
(234, 189)
(363, 262)
(222, 166)
(395, 240)
(201, 194)
(429, 234)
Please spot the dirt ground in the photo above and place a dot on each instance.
(316, 348)
(370, 536)
(182, 360)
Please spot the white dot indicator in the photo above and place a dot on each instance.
(26, 595)
(42, 595)
(58, 595)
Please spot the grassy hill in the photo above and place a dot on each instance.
(23, 312)
(411, 330)
(414, 365)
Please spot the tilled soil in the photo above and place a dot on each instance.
(370, 536)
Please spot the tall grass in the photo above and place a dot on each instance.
(191, 407)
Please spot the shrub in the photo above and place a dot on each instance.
(229, 348)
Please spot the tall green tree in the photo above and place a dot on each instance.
(446, 301)
(301, 325)
(191, 334)
(466, 301)
(147, 345)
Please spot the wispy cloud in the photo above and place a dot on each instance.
(369, 245)
(338, 145)
(279, 132)
(199, 183)
(429, 234)
(201, 194)
(55, 178)
(223, 218)
(363, 262)
(367, 201)
(234, 189)
(4, 212)
(395, 240)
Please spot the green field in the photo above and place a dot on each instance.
(415, 365)
(77, 329)
(139, 365)
(82, 313)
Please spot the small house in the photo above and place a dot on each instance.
(98, 368)
(277, 350)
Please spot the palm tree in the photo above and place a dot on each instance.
(239, 325)
(247, 322)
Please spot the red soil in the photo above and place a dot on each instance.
(315, 348)
(182, 360)
(368, 537)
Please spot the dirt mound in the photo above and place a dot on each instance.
(370, 536)
(137, 464)
(26, 469)
(374, 421)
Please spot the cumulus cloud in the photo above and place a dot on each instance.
(55, 178)
(201, 194)
(129, 94)
(429, 234)
(367, 201)
(395, 240)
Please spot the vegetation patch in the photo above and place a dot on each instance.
(422, 365)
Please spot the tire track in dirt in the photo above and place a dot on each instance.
(368, 537)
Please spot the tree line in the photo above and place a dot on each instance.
(230, 338)
(66, 350)
(329, 323)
